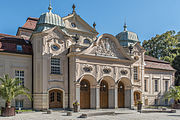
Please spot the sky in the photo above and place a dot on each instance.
(144, 17)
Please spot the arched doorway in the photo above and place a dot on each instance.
(121, 95)
(137, 97)
(103, 94)
(55, 98)
(85, 94)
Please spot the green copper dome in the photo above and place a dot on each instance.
(126, 37)
(48, 20)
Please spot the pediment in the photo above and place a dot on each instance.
(80, 24)
(55, 41)
(107, 46)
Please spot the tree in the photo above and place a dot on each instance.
(10, 88)
(176, 65)
(173, 93)
(164, 47)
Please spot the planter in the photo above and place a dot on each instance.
(139, 107)
(76, 108)
(176, 106)
(6, 112)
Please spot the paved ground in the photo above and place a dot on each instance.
(121, 114)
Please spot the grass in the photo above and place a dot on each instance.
(156, 107)
(20, 111)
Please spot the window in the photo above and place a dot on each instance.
(19, 48)
(55, 66)
(19, 74)
(156, 85)
(19, 103)
(145, 85)
(155, 101)
(135, 73)
(166, 101)
(73, 25)
(86, 41)
(166, 86)
(58, 96)
(52, 97)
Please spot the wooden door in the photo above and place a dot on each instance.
(137, 97)
(120, 95)
(55, 99)
(84, 94)
(103, 94)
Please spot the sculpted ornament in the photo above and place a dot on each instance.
(106, 48)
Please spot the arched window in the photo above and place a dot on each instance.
(87, 41)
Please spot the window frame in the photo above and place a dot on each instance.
(55, 64)
(135, 73)
(156, 85)
(20, 75)
(19, 103)
(166, 85)
(19, 46)
(145, 85)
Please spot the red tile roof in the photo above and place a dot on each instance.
(154, 63)
(8, 43)
(30, 23)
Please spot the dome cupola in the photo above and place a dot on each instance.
(126, 37)
(48, 20)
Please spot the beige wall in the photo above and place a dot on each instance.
(11, 62)
(161, 75)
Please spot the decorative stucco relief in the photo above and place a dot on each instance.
(106, 47)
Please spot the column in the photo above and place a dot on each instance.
(132, 97)
(116, 96)
(111, 97)
(93, 96)
(78, 92)
(97, 97)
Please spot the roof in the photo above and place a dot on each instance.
(30, 23)
(153, 59)
(8, 43)
(126, 37)
(154, 63)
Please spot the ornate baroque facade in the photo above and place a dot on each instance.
(62, 60)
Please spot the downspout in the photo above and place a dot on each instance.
(68, 80)
(32, 80)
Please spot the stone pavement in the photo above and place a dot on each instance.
(121, 114)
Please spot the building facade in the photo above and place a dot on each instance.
(62, 60)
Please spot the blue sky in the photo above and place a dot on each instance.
(145, 17)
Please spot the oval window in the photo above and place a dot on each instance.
(55, 47)
(87, 41)
(73, 25)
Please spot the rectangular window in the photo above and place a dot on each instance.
(155, 101)
(156, 85)
(19, 74)
(166, 101)
(135, 73)
(55, 66)
(145, 85)
(19, 48)
(166, 86)
(19, 103)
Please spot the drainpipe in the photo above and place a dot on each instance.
(32, 81)
(68, 80)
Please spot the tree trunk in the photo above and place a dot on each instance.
(8, 104)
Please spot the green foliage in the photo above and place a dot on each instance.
(163, 46)
(173, 93)
(10, 88)
(176, 65)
